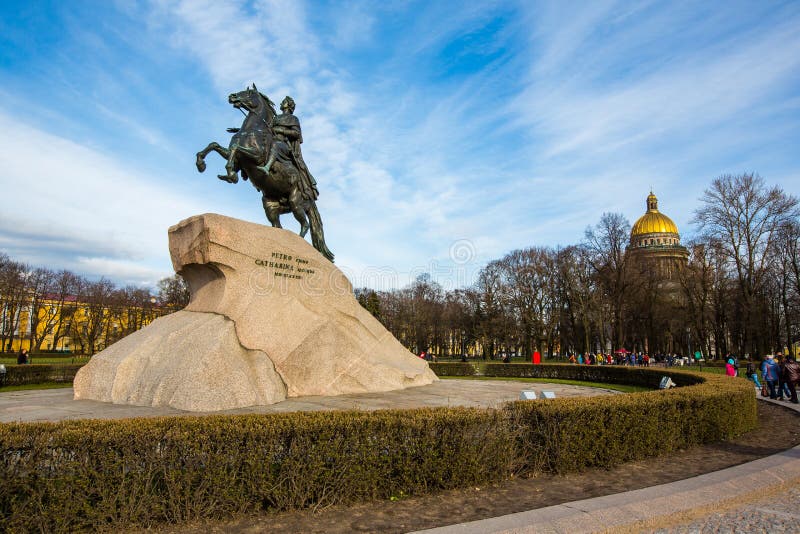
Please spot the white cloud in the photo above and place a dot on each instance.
(58, 192)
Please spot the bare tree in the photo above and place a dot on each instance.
(173, 292)
(40, 286)
(13, 293)
(788, 273)
(526, 283)
(698, 281)
(744, 216)
(137, 307)
(496, 326)
(58, 317)
(425, 312)
(577, 300)
(96, 300)
(605, 247)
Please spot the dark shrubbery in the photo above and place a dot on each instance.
(607, 374)
(452, 369)
(84, 475)
(17, 375)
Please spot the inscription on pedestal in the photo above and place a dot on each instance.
(286, 266)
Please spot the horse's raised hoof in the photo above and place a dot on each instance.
(201, 164)
(230, 179)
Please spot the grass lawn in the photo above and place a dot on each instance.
(616, 387)
(706, 369)
(46, 385)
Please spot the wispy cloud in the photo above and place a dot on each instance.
(621, 98)
(79, 204)
(506, 124)
(377, 186)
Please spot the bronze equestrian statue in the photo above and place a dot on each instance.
(266, 150)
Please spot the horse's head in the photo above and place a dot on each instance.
(250, 99)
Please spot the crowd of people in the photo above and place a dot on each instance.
(781, 376)
(629, 358)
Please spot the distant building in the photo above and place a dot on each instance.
(68, 325)
(656, 244)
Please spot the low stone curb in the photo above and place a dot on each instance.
(615, 512)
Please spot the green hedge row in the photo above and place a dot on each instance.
(88, 475)
(85, 475)
(575, 434)
(609, 374)
(452, 369)
(40, 373)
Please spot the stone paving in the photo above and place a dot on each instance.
(776, 514)
(58, 404)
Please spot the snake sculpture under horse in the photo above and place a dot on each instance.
(282, 189)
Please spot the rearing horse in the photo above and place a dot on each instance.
(281, 190)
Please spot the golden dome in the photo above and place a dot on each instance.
(653, 222)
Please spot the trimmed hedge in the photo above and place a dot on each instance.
(608, 374)
(40, 373)
(88, 474)
(575, 434)
(79, 475)
(452, 369)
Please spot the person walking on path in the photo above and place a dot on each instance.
(770, 371)
(752, 374)
(730, 370)
(783, 387)
(791, 377)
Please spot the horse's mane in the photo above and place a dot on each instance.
(269, 102)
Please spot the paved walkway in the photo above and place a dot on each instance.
(759, 496)
(777, 513)
(58, 404)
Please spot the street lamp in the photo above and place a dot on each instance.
(689, 340)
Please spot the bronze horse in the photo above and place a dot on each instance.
(281, 189)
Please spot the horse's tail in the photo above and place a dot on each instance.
(317, 236)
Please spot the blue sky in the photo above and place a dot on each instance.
(442, 134)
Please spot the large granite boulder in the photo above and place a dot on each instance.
(186, 360)
(269, 317)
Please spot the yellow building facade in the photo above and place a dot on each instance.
(70, 326)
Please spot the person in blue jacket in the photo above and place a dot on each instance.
(770, 371)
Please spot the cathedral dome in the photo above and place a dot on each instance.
(653, 222)
(655, 243)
